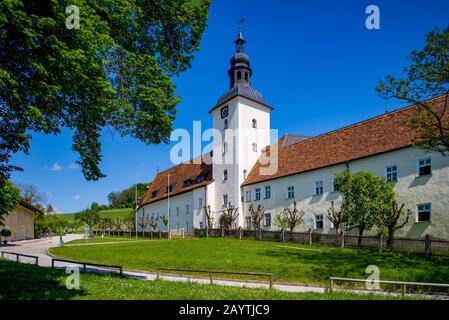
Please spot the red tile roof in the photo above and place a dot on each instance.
(198, 174)
(374, 136)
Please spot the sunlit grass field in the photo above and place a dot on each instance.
(289, 262)
(112, 213)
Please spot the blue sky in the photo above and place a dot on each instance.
(314, 61)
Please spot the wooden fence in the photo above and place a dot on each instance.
(85, 264)
(427, 245)
(18, 255)
(130, 234)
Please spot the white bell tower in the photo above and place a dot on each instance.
(243, 119)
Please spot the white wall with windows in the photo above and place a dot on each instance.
(421, 181)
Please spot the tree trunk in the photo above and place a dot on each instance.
(359, 239)
(390, 240)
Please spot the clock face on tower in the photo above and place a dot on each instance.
(224, 112)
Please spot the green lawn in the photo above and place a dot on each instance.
(112, 213)
(24, 282)
(288, 261)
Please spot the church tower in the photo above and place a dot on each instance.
(242, 117)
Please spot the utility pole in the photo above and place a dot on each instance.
(135, 211)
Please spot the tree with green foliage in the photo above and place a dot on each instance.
(112, 71)
(9, 199)
(280, 221)
(127, 197)
(89, 217)
(363, 195)
(427, 77)
(130, 221)
(164, 220)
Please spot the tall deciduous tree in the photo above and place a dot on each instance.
(427, 77)
(390, 220)
(89, 217)
(363, 194)
(9, 198)
(114, 71)
(31, 193)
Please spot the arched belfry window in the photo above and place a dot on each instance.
(239, 75)
(225, 175)
(246, 76)
(254, 123)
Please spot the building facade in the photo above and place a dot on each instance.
(21, 221)
(246, 167)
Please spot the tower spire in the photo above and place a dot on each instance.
(240, 71)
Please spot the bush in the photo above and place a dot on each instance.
(6, 233)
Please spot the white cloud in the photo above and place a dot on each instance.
(73, 166)
(76, 197)
(56, 167)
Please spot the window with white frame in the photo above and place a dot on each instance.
(334, 185)
(257, 196)
(319, 189)
(201, 225)
(225, 175)
(290, 192)
(226, 125)
(254, 147)
(225, 199)
(267, 192)
(177, 211)
(200, 203)
(424, 167)
(319, 221)
(248, 222)
(267, 220)
(391, 173)
(424, 212)
(248, 195)
(187, 209)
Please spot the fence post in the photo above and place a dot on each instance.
(222, 232)
(404, 288)
(380, 242)
(428, 246)
(210, 275)
(207, 232)
(260, 233)
(283, 235)
(331, 286)
(240, 233)
(271, 281)
(17, 257)
(37, 261)
(182, 234)
(52, 263)
(157, 273)
(3, 254)
(310, 237)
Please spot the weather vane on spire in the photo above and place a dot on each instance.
(241, 24)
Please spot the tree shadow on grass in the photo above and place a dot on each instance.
(28, 282)
(319, 266)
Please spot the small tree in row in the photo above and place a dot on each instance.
(143, 224)
(209, 217)
(256, 215)
(390, 218)
(230, 215)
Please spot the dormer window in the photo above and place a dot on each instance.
(188, 183)
(154, 194)
(254, 123)
(200, 179)
(169, 189)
